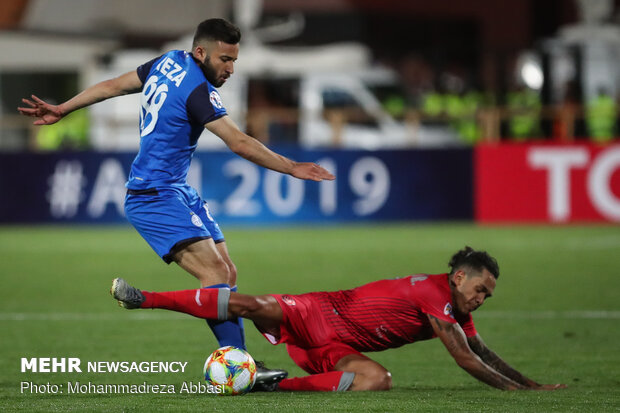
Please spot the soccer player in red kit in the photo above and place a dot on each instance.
(325, 332)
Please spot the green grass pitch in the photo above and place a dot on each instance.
(555, 314)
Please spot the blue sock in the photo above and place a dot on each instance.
(227, 333)
(240, 322)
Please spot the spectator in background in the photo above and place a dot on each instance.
(433, 104)
(395, 105)
(70, 134)
(452, 103)
(418, 78)
(524, 105)
(463, 109)
(601, 113)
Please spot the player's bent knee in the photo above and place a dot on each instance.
(215, 270)
(222, 267)
(379, 379)
(384, 381)
(232, 274)
(375, 379)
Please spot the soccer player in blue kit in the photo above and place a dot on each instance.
(179, 99)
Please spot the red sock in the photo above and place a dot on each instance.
(202, 303)
(316, 382)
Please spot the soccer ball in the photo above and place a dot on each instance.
(232, 369)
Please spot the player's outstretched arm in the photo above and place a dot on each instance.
(489, 357)
(48, 114)
(254, 151)
(453, 337)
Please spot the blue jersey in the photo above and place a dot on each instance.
(176, 102)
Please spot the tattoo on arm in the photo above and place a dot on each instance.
(494, 361)
(436, 321)
(451, 339)
(455, 341)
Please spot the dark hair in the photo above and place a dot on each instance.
(217, 29)
(475, 260)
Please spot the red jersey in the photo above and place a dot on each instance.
(389, 313)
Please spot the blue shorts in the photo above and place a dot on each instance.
(171, 217)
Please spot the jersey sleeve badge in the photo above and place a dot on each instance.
(447, 310)
(215, 99)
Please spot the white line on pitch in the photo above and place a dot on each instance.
(163, 315)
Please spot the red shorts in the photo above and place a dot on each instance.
(310, 340)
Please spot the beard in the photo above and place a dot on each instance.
(457, 299)
(210, 73)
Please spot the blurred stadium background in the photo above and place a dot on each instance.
(445, 122)
(510, 108)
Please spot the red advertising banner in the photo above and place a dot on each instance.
(547, 183)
